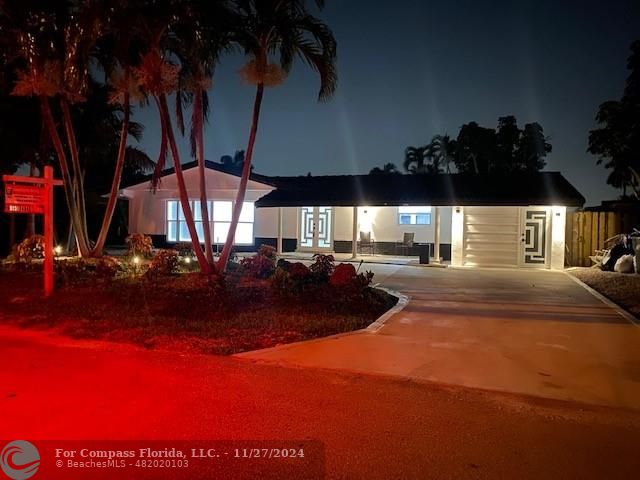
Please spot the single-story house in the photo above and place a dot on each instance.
(470, 220)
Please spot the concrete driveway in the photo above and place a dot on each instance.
(530, 332)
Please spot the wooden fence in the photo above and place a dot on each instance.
(586, 232)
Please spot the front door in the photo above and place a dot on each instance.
(535, 232)
(315, 232)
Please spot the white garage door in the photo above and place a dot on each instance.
(491, 236)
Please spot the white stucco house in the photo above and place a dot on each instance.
(469, 220)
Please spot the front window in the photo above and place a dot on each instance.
(219, 222)
(414, 215)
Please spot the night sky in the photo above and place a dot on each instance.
(410, 69)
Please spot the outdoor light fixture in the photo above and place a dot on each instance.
(58, 249)
(187, 260)
(136, 260)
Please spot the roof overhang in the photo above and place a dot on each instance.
(520, 189)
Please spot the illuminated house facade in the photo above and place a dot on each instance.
(467, 220)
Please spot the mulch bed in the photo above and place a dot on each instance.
(186, 312)
(621, 288)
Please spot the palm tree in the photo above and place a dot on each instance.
(158, 77)
(387, 169)
(52, 55)
(204, 32)
(117, 51)
(283, 28)
(414, 159)
(57, 43)
(444, 151)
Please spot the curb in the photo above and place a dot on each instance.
(402, 302)
(621, 311)
(374, 327)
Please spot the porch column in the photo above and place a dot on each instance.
(354, 238)
(279, 244)
(436, 236)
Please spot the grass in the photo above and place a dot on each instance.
(186, 313)
(621, 288)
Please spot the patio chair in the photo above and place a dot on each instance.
(366, 243)
(406, 244)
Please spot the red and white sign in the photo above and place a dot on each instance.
(24, 199)
(35, 195)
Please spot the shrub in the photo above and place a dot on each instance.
(284, 264)
(299, 271)
(291, 278)
(322, 267)
(262, 264)
(281, 281)
(106, 268)
(71, 272)
(184, 249)
(165, 262)
(30, 248)
(77, 271)
(140, 244)
(343, 274)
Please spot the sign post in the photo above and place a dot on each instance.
(34, 195)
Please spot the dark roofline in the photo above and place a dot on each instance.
(218, 167)
(517, 189)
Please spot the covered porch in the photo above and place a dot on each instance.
(384, 234)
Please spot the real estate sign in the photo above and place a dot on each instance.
(34, 195)
(24, 199)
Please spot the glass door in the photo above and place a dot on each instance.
(315, 231)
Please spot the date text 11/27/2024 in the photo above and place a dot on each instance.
(175, 453)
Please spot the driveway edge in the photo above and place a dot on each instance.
(621, 311)
(402, 302)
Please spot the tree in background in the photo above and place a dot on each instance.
(444, 150)
(506, 149)
(415, 159)
(617, 142)
(387, 169)
(235, 162)
(476, 148)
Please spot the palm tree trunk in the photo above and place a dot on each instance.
(83, 248)
(115, 184)
(182, 188)
(204, 207)
(78, 176)
(244, 180)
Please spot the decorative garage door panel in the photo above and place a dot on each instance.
(534, 236)
(491, 236)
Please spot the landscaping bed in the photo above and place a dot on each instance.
(190, 311)
(621, 288)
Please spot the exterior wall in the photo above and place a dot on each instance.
(457, 236)
(385, 227)
(266, 224)
(147, 210)
(558, 228)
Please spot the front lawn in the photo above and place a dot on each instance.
(186, 312)
(621, 288)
